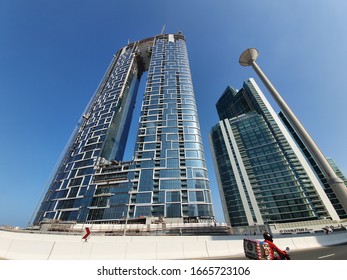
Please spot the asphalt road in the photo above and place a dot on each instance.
(333, 252)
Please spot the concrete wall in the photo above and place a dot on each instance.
(25, 246)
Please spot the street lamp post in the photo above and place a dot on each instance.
(248, 58)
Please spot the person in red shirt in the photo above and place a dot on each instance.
(276, 252)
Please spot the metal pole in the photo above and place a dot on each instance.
(248, 58)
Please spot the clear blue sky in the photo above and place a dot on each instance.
(53, 55)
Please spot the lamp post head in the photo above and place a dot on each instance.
(248, 57)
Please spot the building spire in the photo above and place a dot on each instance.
(163, 29)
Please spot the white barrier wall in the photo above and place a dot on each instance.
(25, 246)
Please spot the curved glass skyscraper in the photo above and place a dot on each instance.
(167, 176)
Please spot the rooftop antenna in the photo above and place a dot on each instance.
(163, 29)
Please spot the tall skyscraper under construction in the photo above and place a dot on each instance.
(167, 176)
(263, 174)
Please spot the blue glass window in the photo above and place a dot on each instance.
(173, 210)
(144, 197)
(119, 199)
(169, 173)
(143, 211)
(196, 196)
(191, 154)
(170, 184)
(200, 173)
(172, 163)
(146, 180)
(172, 153)
(173, 196)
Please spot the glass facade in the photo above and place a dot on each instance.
(330, 193)
(263, 176)
(167, 176)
